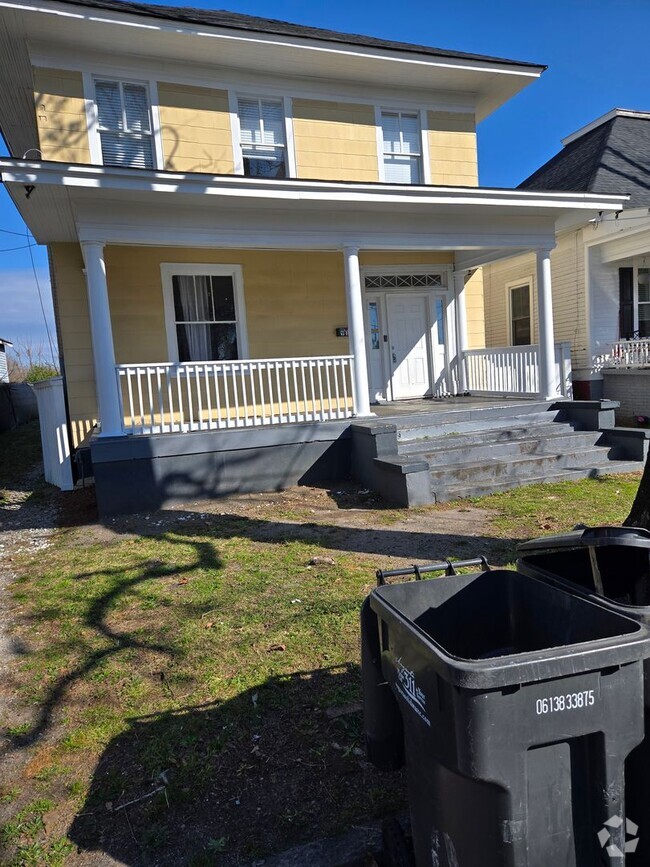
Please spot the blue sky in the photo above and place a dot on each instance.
(595, 51)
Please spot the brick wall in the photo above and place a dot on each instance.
(631, 388)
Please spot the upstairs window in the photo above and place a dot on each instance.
(520, 321)
(262, 139)
(124, 124)
(402, 147)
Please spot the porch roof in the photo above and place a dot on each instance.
(116, 205)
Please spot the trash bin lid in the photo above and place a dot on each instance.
(591, 537)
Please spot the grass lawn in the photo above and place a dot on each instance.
(185, 683)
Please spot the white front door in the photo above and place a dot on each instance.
(408, 329)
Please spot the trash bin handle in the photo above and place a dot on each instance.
(445, 566)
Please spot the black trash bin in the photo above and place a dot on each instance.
(612, 566)
(518, 705)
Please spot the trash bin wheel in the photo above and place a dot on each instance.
(397, 850)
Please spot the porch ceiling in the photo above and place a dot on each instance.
(70, 203)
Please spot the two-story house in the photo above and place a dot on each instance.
(257, 230)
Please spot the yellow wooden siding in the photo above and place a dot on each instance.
(195, 129)
(496, 279)
(74, 334)
(294, 303)
(452, 148)
(335, 141)
(474, 304)
(61, 115)
(569, 300)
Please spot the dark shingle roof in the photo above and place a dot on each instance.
(612, 158)
(237, 21)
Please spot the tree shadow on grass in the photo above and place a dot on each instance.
(114, 641)
(226, 782)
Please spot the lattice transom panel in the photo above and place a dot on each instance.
(403, 281)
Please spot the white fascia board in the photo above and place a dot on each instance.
(105, 177)
(226, 78)
(282, 41)
(599, 121)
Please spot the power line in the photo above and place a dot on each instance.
(10, 232)
(40, 294)
(11, 249)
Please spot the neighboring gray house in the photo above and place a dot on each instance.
(4, 372)
(600, 268)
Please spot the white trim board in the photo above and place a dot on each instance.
(171, 269)
(314, 45)
(220, 78)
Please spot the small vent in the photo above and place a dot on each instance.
(402, 281)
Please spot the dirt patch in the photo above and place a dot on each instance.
(348, 517)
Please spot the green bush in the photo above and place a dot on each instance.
(39, 372)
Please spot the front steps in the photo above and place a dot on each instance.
(443, 455)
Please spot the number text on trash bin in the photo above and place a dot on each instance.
(570, 701)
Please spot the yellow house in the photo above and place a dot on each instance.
(258, 231)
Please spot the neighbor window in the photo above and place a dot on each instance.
(520, 324)
(124, 124)
(205, 317)
(634, 302)
(261, 124)
(643, 294)
(402, 147)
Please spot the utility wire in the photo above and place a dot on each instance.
(11, 249)
(10, 232)
(40, 295)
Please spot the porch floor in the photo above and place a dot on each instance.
(397, 408)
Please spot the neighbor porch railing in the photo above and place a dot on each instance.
(626, 353)
(514, 370)
(166, 398)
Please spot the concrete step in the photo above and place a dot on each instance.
(518, 467)
(445, 493)
(441, 424)
(520, 433)
(556, 444)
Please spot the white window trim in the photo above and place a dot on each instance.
(638, 263)
(426, 160)
(170, 269)
(425, 167)
(235, 129)
(517, 284)
(92, 119)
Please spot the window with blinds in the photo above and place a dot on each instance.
(402, 146)
(261, 124)
(124, 124)
(520, 322)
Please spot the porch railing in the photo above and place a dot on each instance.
(166, 398)
(626, 353)
(514, 370)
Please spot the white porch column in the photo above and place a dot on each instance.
(102, 339)
(461, 328)
(547, 383)
(356, 331)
